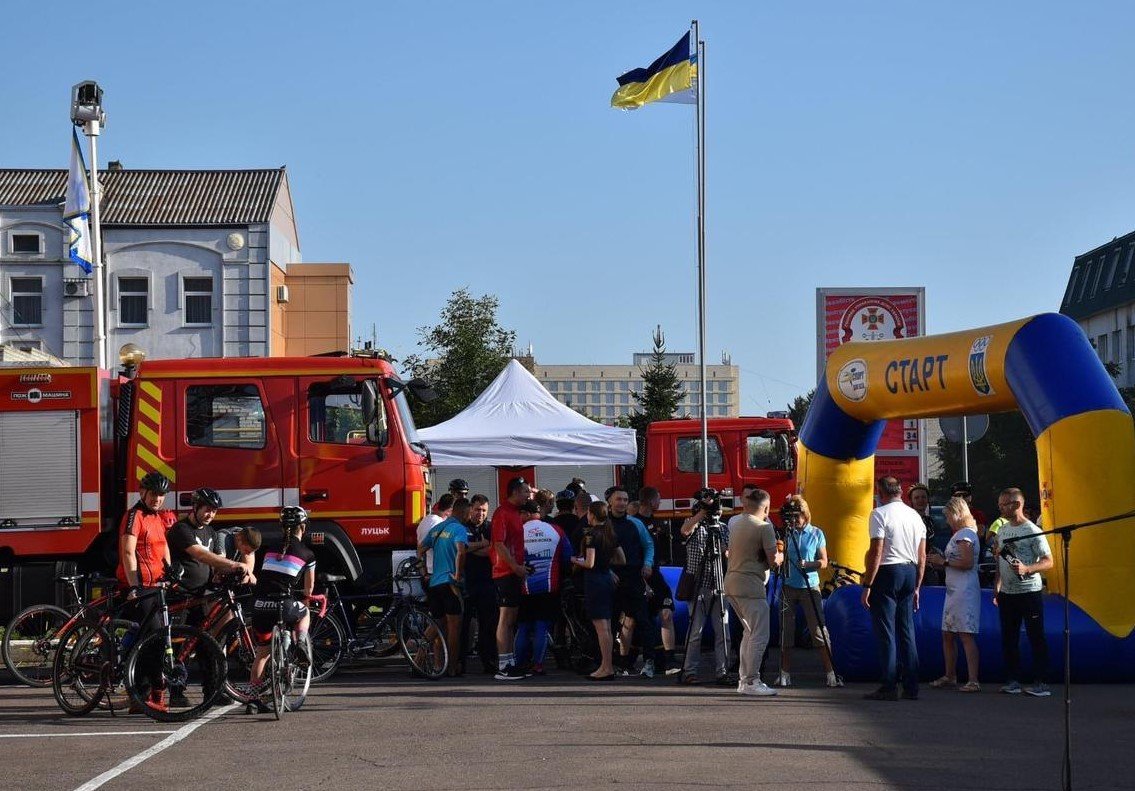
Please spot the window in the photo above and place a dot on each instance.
(1130, 342)
(1126, 270)
(133, 301)
(610, 398)
(1115, 347)
(769, 451)
(1111, 268)
(198, 293)
(1084, 280)
(624, 398)
(553, 387)
(1101, 347)
(1097, 274)
(27, 301)
(690, 455)
(610, 387)
(26, 243)
(1072, 285)
(337, 413)
(224, 416)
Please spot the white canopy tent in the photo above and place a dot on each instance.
(516, 422)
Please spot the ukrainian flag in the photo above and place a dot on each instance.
(671, 78)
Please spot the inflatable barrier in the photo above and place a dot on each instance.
(1085, 441)
(1096, 655)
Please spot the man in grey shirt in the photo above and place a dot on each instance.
(896, 561)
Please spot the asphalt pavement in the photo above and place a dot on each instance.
(375, 727)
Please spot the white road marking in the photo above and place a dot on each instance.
(84, 733)
(168, 741)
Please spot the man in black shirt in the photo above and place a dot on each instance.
(630, 593)
(191, 541)
(480, 593)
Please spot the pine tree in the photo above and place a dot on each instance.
(662, 390)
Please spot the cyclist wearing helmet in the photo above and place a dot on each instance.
(142, 547)
(459, 488)
(286, 576)
(191, 540)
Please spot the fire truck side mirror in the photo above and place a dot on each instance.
(422, 390)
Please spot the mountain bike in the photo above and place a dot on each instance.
(33, 634)
(174, 673)
(377, 624)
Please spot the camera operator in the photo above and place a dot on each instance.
(702, 533)
(806, 550)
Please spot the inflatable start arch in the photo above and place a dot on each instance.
(1042, 365)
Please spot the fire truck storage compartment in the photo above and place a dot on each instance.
(39, 469)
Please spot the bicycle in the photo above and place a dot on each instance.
(841, 576)
(289, 680)
(33, 634)
(87, 668)
(402, 623)
(174, 673)
(574, 644)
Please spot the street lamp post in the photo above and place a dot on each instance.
(87, 112)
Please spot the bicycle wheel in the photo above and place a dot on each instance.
(177, 686)
(277, 661)
(115, 696)
(296, 676)
(236, 644)
(30, 642)
(327, 639)
(423, 642)
(80, 669)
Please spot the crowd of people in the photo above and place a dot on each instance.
(508, 574)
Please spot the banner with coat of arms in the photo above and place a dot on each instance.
(877, 314)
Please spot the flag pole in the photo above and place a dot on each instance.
(91, 130)
(699, 116)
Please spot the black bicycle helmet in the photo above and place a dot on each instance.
(210, 498)
(565, 494)
(292, 516)
(459, 485)
(155, 482)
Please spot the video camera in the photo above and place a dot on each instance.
(707, 500)
(789, 511)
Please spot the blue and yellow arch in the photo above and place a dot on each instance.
(1043, 365)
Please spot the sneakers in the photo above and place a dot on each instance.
(623, 672)
(1012, 688)
(757, 689)
(1039, 690)
(832, 680)
(673, 671)
(784, 679)
(510, 673)
(647, 669)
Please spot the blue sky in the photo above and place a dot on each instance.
(970, 147)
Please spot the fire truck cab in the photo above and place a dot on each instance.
(333, 434)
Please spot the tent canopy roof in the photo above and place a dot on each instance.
(515, 421)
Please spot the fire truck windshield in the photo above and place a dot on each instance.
(407, 419)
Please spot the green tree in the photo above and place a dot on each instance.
(662, 390)
(1004, 457)
(799, 407)
(464, 352)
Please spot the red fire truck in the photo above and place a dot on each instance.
(756, 450)
(333, 434)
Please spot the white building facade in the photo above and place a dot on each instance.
(1100, 297)
(187, 262)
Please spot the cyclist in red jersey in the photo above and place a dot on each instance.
(142, 549)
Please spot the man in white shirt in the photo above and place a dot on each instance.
(441, 511)
(896, 561)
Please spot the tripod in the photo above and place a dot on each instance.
(1065, 534)
(713, 555)
(785, 605)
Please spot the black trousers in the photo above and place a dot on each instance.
(481, 604)
(1015, 609)
(630, 599)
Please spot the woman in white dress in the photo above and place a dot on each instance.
(961, 615)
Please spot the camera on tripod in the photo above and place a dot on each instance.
(789, 512)
(707, 501)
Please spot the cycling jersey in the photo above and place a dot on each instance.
(149, 528)
(283, 572)
(183, 535)
(547, 552)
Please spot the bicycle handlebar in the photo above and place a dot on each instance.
(322, 599)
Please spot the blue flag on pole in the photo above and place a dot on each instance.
(77, 209)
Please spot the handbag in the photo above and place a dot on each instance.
(686, 584)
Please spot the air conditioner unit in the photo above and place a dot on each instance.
(282, 294)
(78, 287)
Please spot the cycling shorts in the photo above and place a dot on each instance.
(445, 600)
(264, 613)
